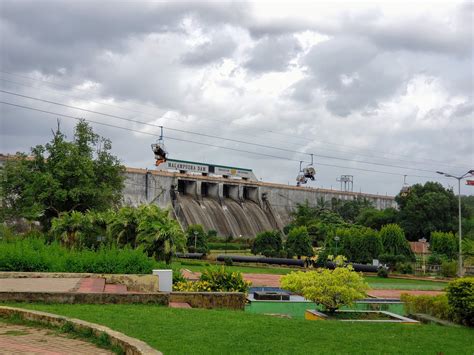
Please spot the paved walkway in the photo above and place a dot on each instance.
(39, 285)
(19, 339)
(86, 285)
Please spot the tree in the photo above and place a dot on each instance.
(62, 176)
(349, 210)
(299, 243)
(427, 208)
(330, 288)
(444, 244)
(357, 244)
(394, 242)
(81, 230)
(376, 219)
(123, 226)
(268, 243)
(196, 239)
(160, 235)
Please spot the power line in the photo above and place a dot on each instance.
(209, 145)
(212, 136)
(286, 135)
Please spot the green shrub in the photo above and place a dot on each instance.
(436, 306)
(268, 243)
(227, 246)
(404, 268)
(436, 259)
(382, 272)
(449, 268)
(460, 294)
(394, 242)
(444, 244)
(228, 261)
(215, 280)
(357, 244)
(33, 255)
(196, 239)
(299, 243)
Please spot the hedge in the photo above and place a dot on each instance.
(33, 255)
(460, 293)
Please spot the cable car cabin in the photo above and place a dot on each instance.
(309, 173)
(405, 191)
(190, 167)
(160, 153)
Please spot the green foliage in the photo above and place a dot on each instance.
(404, 268)
(330, 288)
(62, 176)
(449, 268)
(376, 219)
(443, 243)
(394, 242)
(427, 208)
(36, 256)
(159, 235)
(436, 306)
(349, 210)
(196, 239)
(268, 243)
(460, 294)
(299, 243)
(80, 230)
(382, 272)
(357, 244)
(123, 226)
(436, 259)
(215, 280)
(227, 246)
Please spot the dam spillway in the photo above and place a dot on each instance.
(229, 206)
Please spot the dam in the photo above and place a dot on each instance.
(231, 207)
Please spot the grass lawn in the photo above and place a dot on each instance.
(374, 281)
(198, 331)
(198, 266)
(404, 284)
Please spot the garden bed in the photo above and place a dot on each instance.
(358, 316)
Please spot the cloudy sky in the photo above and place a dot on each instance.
(376, 90)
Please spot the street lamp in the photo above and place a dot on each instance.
(459, 178)
(336, 238)
(195, 240)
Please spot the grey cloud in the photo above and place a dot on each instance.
(218, 48)
(273, 53)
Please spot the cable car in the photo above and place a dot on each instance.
(309, 171)
(405, 188)
(159, 150)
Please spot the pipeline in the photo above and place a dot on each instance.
(190, 255)
(263, 260)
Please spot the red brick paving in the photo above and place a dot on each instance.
(19, 339)
(115, 288)
(263, 279)
(91, 285)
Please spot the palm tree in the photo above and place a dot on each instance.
(69, 226)
(160, 235)
(123, 226)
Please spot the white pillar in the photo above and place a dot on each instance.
(165, 280)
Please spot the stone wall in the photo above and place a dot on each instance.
(230, 300)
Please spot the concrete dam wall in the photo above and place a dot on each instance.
(229, 206)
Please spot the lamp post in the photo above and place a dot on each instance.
(336, 238)
(459, 178)
(195, 240)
